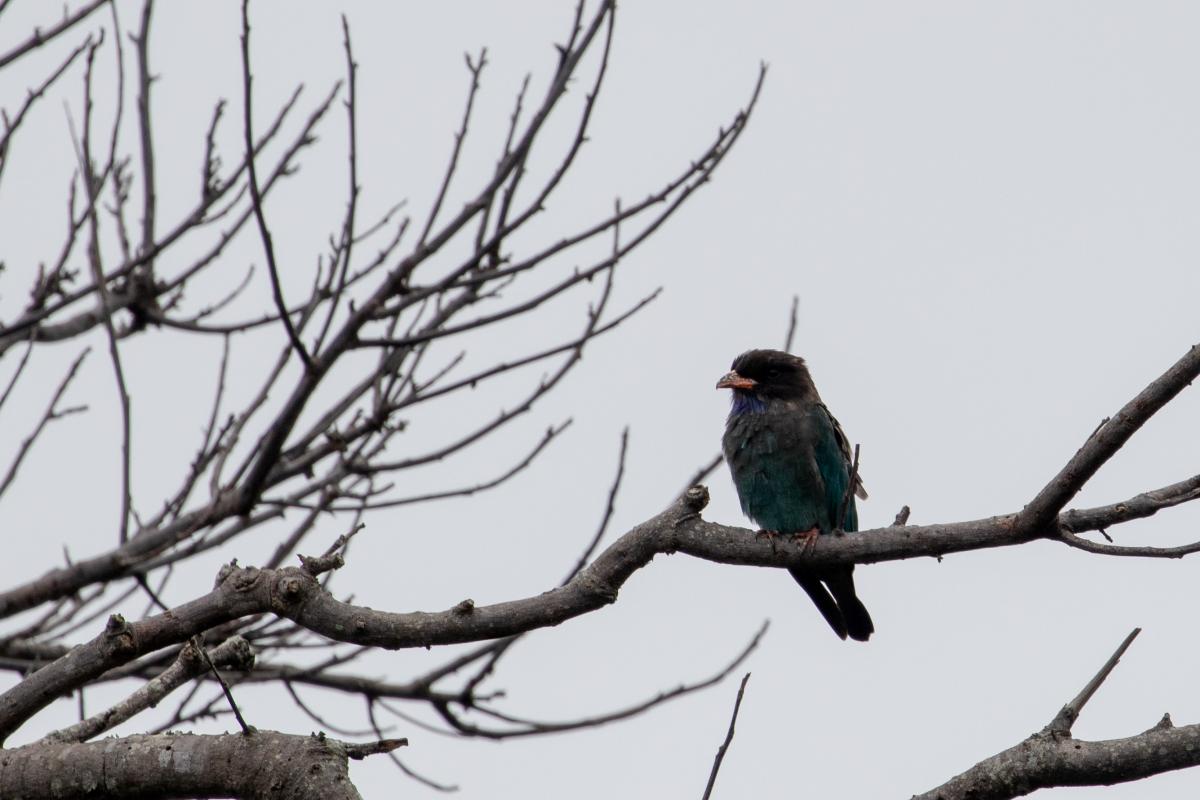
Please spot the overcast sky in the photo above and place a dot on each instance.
(989, 214)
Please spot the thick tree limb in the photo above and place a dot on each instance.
(234, 653)
(1041, 762)
(264, 765)
(1051, 757)
(296, 594)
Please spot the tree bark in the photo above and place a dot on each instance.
(263, 765)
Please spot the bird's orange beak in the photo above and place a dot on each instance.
(731, 380)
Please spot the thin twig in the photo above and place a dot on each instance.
(92, 183)
(475, 68)
(16, 376)
(43, 36)
(724, 748)
(257, 200)
(1079, 543)
(339, 267)
(199, 645)
(789, 339)
(609, 507)
(1062, 723)
(149, 186)
(432, 784)
(50, 413)
(702, 472)
(848, 497)
(13, 122)
(526, 727)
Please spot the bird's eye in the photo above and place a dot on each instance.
(773, 372)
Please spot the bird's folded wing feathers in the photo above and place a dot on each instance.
(844, 443)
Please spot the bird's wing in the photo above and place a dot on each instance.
(844, 444)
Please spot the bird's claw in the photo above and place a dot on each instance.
(771, 537)
(807, 539)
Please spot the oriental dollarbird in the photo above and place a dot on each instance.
(791, 466)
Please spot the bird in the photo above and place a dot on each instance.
(791, 466)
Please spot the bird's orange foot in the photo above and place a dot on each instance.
(807, 539)
(771, 537)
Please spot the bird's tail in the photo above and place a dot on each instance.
(822, 599)
(838, 603)
(858, 621)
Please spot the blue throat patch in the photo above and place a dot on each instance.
(746, 403)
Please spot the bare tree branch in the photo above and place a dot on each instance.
(146, 132)
(52, 412)
(266, 764)
(383, 335)
(1106, 441)
(525, 727)
(41, 37)
(1065, 719)
(234, 653)
(256, 195)
(1051, 757)
(724, 748)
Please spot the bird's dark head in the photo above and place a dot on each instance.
(765, 375)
